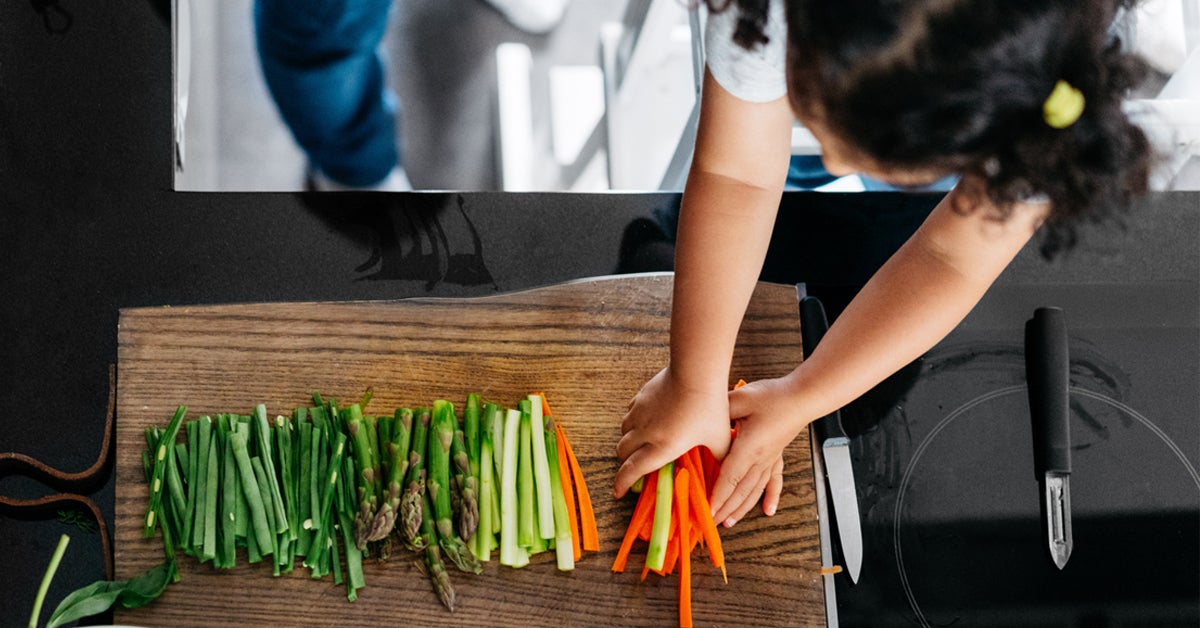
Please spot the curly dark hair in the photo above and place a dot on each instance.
(958, 86)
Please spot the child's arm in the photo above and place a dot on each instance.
(726, 217)
(910, 304)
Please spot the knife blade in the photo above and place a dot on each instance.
(1047, 371)
(835, 448)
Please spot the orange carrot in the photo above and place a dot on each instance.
(683, 482)
(642, 512)
(672, 555)
(587, 516)
(712, 538)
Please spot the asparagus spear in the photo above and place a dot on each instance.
(441, 437)
(367, 470)
(467, 486)
(433, 556)
(411, 503)
(397, 450)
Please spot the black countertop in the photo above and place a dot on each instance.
(90, 224)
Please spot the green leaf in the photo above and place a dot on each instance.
(148, 586)
(100, 596)
(91, 600)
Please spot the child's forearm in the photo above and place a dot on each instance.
(726, 217)
(916, 299)
(724, 229)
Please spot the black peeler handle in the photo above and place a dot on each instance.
(1047, 371)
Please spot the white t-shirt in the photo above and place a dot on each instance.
(757, 75)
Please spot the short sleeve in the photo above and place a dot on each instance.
(757, 75)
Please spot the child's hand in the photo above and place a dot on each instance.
(755, 460)
(664, 421)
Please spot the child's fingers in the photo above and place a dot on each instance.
(741, 402)
(641, 461)
(774, 489)
(754, 484)
(737, 483)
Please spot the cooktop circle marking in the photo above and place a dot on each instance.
(1019, 388)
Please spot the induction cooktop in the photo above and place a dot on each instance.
(949, 500)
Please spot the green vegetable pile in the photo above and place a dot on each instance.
(329, 486)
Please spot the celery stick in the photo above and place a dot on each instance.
(482, 543)
(541, 469)
(564, 550)
(656, 554)
(509, 554)
(527, 533)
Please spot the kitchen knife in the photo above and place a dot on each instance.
(835, 448)
(1047, 371)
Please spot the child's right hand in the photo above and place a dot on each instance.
(665, 420)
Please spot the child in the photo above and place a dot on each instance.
(1019, 98)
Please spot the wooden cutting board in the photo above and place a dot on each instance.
(589, 345)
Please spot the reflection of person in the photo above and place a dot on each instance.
(322, 66)
(1020, 98)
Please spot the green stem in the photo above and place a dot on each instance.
(46, 578)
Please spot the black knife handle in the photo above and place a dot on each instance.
(1047, 371)
(813, 326)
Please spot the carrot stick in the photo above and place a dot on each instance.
(568, 490)
(642, 512)
(709, 462)
(712, 538)
(587, 516)
(673, 553)
(683, 482)
(695, 467)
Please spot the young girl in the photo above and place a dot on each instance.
(1019, 98)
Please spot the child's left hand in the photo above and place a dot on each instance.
(754, 465)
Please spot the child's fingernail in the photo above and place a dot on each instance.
(729, 522)
(770, 511)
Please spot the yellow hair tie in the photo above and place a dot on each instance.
(1064, 105)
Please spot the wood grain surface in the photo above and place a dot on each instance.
(589, 345)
